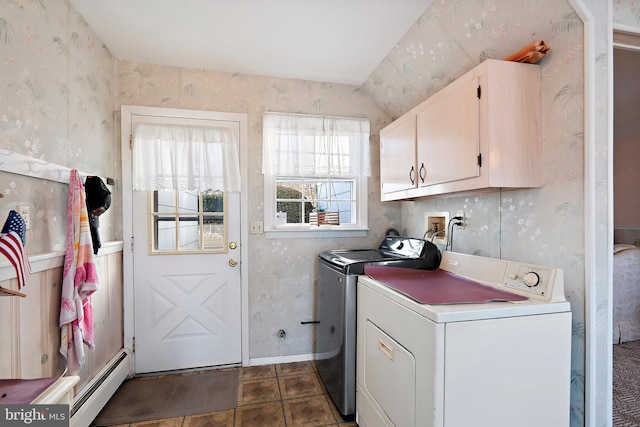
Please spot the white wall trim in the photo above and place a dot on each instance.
(49, 260)
(622, 28)
(24, 165)
(610, 222)
(591, 337)
(127, 111)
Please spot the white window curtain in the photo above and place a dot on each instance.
(302, 145)
(179, 157)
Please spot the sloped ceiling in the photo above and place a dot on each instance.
(330, 40)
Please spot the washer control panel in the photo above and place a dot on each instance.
(534, 281)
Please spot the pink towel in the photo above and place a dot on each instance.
(80, 280)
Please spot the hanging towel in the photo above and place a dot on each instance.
(79, 281)
(12, 242)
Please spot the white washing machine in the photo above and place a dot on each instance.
(431, 356)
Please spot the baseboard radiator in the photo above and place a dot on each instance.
(95, 395)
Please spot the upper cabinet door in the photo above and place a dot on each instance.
(398, 156)
(483, 131)
(448, 134)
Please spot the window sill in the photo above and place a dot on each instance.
(314, 233)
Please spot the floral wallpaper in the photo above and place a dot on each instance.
(543, 226)
(61, 89)
(281, 271)
(56, 105)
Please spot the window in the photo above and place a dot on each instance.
(187, 222)
(315, 173)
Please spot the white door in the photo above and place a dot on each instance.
(186, 279)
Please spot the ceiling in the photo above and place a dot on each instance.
(340, 41)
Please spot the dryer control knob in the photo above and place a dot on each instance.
(531, 279)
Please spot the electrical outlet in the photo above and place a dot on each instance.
(23, 210)
(256, 227)
(463, 220)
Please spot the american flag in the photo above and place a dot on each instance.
(12, 242)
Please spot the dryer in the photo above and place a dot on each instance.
(497, 354)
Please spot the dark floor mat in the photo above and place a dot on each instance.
(167, 396)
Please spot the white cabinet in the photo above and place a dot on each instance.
(398, 170)
(482, 131)
(448, 134)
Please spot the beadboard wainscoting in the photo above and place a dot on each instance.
(29, 325)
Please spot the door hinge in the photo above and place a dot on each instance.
(133, 345)
(480, 160)
(479, 92)
(132, 244)
(130, 142)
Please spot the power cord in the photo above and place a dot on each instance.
(450, 226)
(448, 230)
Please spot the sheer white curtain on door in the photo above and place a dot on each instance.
(182, 157)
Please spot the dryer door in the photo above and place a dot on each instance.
(389, 376)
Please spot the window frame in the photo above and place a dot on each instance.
(154, 216)
(359, 175)
(357, 229)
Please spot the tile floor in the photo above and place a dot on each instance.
(285, 395)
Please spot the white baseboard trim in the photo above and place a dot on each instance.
(281, 359)
(95, 395)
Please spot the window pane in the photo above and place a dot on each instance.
(289, 190)
(345, 210)
(188, 201)
(292, 203)
(291, 210)
(310, 191)
(297, 197)
(165, 233)
(213, 201)
(198, 224)
(164, 201)
(213, 233)
(188, 233)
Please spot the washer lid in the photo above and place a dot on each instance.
(344, 257)
(399, 250)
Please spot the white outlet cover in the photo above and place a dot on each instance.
(24, 212)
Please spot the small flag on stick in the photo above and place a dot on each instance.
(12, 242)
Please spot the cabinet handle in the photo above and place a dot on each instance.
(422, 173)
(385, 348)
(411, 172)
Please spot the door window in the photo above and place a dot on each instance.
(187, 222)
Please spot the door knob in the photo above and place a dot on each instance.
(233, 262)
(233, 245)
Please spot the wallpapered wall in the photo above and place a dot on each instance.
(542, 226)
(56, 104)
(281, 271)
(57, 90)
